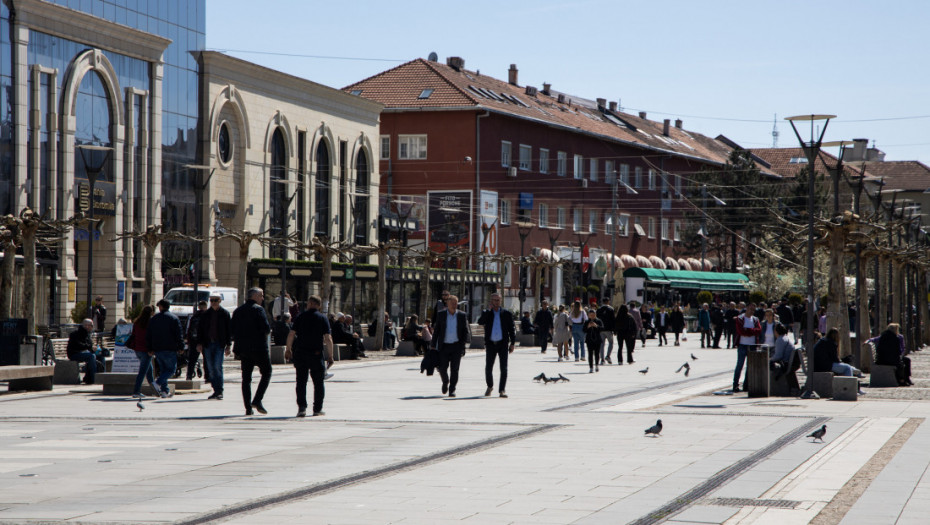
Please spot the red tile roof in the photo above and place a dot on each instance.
(400, 88)
(788, 162)
(907, 175)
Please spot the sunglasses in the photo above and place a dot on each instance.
(214, 300)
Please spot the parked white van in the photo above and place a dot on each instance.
(182, 299)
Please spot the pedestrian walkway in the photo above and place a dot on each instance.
(393, 449)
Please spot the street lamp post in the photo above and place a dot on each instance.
(719, 201)
(92, 173)
(524, 227)
(284, 223)
(552, 240)
(583, 238)
(404, 229)
(811, 149)
(616, 220)
(199, 189)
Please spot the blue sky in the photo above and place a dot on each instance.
(724, 67)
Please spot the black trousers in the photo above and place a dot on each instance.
(491, 352)
(192, 356)
(450, 356)
(542, 336)
(630, 343)
(718, 331)
(594, 353)
(663, 339)
(262, 360)
(313, 367)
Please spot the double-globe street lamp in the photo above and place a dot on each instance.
(811, 149)
(93, 171)
(285, 220)
(524, 227)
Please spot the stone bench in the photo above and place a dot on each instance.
(116, 384)
(823, 384)
(883, 376)
(405, 348)
(277, 355)
(27, 377)
(845, 388)
(67, 373)
(525, 340)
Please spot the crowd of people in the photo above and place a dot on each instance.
(582, 334)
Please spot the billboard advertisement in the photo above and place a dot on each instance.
(449, 221)
(490, 227)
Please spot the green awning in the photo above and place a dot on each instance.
(711, 281)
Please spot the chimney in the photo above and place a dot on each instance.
(678, 123)
(665, 125)
(561, 98)
(546, 88)
(601, 104)
(613, 106)
(456, 63)
(642, 115)
(857, 152)
(531, 91)
(512, 74)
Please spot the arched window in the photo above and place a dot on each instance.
(323, 174)
(278, 194)
(362, 178)
(92, 126)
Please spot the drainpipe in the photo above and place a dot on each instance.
(478, 160)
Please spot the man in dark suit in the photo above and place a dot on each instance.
(499, 338)
(450, 336)
(250, 332)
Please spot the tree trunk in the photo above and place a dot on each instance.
(28, 308)
(149, 274)
(897, 294)
(424, 287)
(6, 279)
(837, 311)
(863, 330)
(537, 284)
(922, 306)
(242, 279)
(382, 298)
(328, 277)
(882, 294)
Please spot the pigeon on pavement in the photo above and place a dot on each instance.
(656, 429)
(683, 367)
(140, 405)
(541, 377)
(694, 357)
(563, 378)
(644, 371)
(818, 434)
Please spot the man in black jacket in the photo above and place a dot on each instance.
(165, 340)
(193, 352)
(343, 334)
(499, 338)
(785, 316)
(716, 321)
(250, 332)
(312, 354)
(81, 348)
(607, 316)
(543, 324)
(451, 335)
(214, 336)
(729, 325)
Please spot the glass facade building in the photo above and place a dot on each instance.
(115, 73)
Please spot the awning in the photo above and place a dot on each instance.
(711, 281)
(547, 254)
(657, 262)
(683, 264)
(628, 261)
(643, 262)
(695, 264)
(671, 263)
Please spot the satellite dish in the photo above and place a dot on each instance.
(433, 57)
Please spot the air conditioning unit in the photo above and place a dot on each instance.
(512, 171)
(584, 183)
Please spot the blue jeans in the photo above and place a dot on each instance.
(842, 369)
(741, 351)
(578, 338)
(213, 359)
(90, 364)
(145, 371)
(167, 365)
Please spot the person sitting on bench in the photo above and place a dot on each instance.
(784, 360)
(826, 356)
(81, 348)
(889, 351)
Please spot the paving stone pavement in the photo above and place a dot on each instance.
(393, 449)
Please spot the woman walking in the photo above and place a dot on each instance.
(578, 319)
(676, 320)
(138, 345)
(562, 332)
(592, 336)
(646, 315)
(625, 327)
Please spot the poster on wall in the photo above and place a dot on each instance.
(490, 228)
(449, 222)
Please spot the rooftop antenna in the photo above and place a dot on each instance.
(775, 131)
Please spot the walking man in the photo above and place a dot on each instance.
(165, 340)
(250, 332)
(214, 336)
(450, 337)
(607, 316)
(312, 354)
(499, 338)
(193, 345)
(543, 324)
(100, 313)
(747, 329)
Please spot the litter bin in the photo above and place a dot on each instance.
(757, 378)
(13, 350)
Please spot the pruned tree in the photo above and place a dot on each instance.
(244, 239)
(427, 257)
(381, 250)
(151, 237)
(10, 238)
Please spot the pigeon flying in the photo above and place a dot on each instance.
(656, 429)
(540, 377)
(818, 434)
(644, 371)
(693, 357)
(687, 369)
(680, 368)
